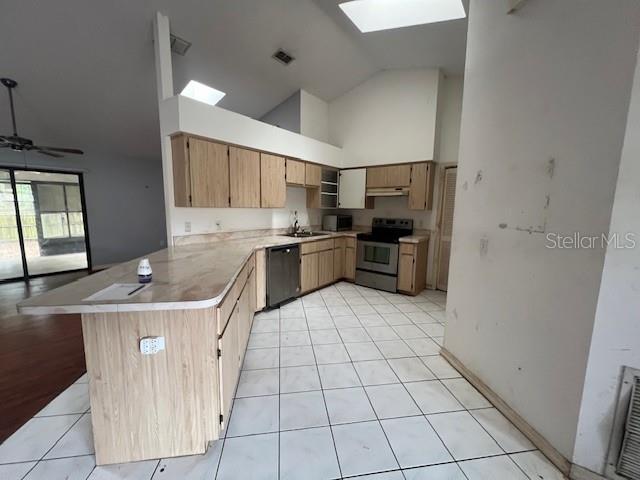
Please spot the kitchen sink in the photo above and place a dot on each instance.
(303, 234)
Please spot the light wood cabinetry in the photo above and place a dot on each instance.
(391, 176)
(421, 187)
(325, 267)
(308, 272)
(316, 264)
(273, 188)
(338, 258)
(412, 267)
(261, 280)
(181, 174)
(200, 172)
(295, 172)
(350, 259)
(244, 178)
(229, 363)
(209, 170)
(313, 175)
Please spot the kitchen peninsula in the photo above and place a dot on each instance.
(202, 302)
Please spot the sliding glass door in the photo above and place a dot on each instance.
(10, 249)
(49, 227)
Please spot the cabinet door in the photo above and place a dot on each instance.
(338, 259)
(295, 172)
(406, 263)
(244, 178)
(351, 190)
(350, 263)
(325, 267)
(229, 363)
(308, 272)
(313, 175)
(209, 167)
(273, 187)
(418, 187)
(181, 175)
(393, 176)
(244, 319)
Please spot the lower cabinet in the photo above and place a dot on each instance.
(234, 334)
(350, 259)
(412, 267)
(325, 267)
(338, 259)
(308, 272)
(316, 265)
(229, 364)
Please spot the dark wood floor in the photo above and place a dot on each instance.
(40, 356)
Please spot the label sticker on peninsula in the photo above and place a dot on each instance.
(117, 291)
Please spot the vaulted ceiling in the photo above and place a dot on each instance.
(86, 73)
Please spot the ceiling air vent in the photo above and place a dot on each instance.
(283, 57)
(623, 461)
(179, 45)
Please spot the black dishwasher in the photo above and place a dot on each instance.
(283, 274)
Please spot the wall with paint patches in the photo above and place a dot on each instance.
(543, 119)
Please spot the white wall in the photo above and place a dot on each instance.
(286, 115)
(547, 86)
(314, 117)
(204, 220)
(389, 118)
(614, 342)
(124, 201)
(449, 137)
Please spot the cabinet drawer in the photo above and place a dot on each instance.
(225, 308)
(407, 249)
(319, 246)
(350, 242)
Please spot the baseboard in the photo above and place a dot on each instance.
(581, 473)
(538, 440)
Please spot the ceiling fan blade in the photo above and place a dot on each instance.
(51, 154)
(75, 151)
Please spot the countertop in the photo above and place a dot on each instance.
(184, 277)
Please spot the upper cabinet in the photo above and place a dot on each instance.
(200, 172)
(244, 178)
(313, 175)
(392, 176)
(421, 187)
(273, 186)
(352, 188)
(295, 172)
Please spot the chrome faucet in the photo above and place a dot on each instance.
(296, 224)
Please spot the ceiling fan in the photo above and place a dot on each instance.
(18, 143)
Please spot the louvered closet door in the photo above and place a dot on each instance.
(446, 226)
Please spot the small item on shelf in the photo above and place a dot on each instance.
(144, 271)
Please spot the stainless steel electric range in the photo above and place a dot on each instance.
(377, 253)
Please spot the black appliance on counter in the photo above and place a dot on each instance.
(283, 274)
(377, 253)
(337, 223)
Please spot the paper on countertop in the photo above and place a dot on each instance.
(117, 291)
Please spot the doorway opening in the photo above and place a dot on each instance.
(43, 223)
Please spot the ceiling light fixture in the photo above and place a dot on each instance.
(202, 93)
(375, 15)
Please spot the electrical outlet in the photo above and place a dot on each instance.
(151, 345)
(187, 227)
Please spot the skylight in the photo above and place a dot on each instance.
(202, 93)
(375, 15)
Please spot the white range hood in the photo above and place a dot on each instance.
(387, 192)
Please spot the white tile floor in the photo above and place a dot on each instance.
(344, 382)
